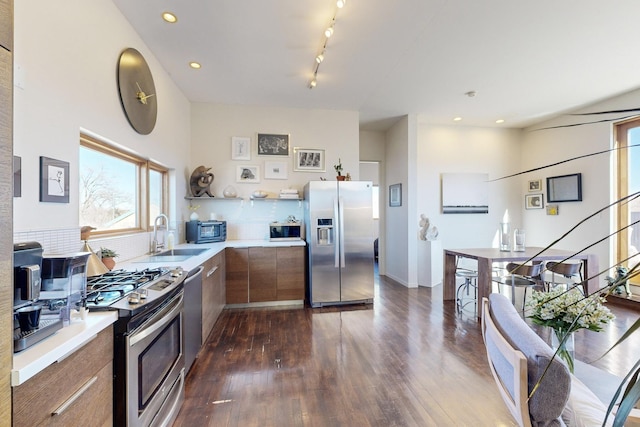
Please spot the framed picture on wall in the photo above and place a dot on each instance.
(248, 174)
(275, 170)
(54, 180)
(240, 148)
(533, 201)
(270, 144)
(535, 185)
(564, 188)
(308, 160)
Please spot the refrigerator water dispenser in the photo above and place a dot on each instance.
(325, 232)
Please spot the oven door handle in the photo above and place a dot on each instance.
(158, 320)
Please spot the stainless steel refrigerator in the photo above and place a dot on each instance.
(339, 234)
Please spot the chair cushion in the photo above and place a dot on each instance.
(584, 409)
(549, 400)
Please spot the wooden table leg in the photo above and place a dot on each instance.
(449, 277)
(484, 280)
(591, 269)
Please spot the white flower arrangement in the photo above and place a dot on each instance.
(568, 311)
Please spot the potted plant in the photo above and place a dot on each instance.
(108, 257)
(338, 169)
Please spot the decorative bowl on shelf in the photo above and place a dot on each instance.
(259, 194)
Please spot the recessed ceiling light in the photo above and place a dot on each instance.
(457, 119)
(169, 17)
(195, 65)
(500, 121)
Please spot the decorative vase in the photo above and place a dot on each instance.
(565, 350)
(229, 192)
(109, 263)
(194, 216)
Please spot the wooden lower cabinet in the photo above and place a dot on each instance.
(291, 269)
(262, 274)
(213, 292)
(237, 275)
(75, 391)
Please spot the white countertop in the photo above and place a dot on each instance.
(65, 341)
(213, 249)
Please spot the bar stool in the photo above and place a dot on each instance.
(521, 276)
(470, 278)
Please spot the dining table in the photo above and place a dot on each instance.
(486, 257)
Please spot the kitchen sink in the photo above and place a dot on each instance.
(173, 255)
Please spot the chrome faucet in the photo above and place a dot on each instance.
(155, 246)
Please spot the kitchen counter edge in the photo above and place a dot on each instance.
(214, 249)
(57, 347)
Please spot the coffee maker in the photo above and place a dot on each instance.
(27, 283)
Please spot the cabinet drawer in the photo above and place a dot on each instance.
(87, 372)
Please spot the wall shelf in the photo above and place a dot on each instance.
(212, 198)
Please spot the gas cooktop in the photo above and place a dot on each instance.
(104, 290)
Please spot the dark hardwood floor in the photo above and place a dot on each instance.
(409, 360)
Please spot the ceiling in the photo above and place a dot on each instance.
(526, 60)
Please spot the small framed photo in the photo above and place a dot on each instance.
(395, 195)
(552, 210)
(533, 201)
(248, 174)
(54, 180)
(535, 185)
(308, 160)
(240, 148)
(275, 170)
(270, 144)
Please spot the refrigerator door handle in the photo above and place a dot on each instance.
(341, 234)
(336, 249)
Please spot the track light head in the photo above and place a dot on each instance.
(341, 3)
(328, 32)
(320, 58)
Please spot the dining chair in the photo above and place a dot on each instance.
(563, 274)
(521, 276)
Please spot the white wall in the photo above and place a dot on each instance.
(213, 126)
(544, 146)
(459, 149)
(395, 252)
(72, 87)
(65, 82)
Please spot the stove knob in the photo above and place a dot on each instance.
(134, 298)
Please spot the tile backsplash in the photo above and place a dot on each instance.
(245, 221)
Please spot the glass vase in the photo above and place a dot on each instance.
(504, 233)
(564, 348)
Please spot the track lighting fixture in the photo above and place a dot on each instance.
(327, 34)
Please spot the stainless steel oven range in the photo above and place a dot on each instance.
(149, 371)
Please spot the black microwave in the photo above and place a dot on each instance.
(206, 231)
